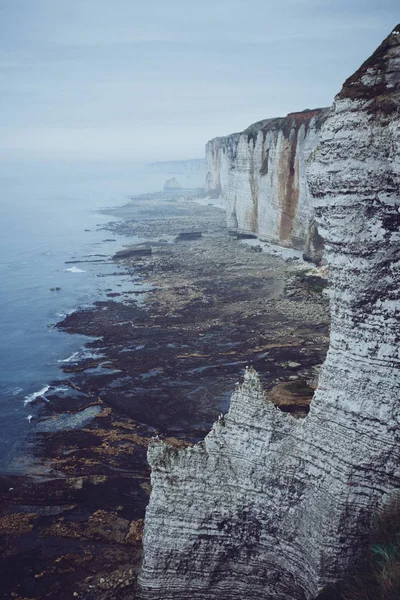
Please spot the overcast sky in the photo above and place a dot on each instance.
(155, 79)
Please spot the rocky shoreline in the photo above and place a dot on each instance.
(167, 358)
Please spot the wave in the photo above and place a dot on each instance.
(31, 397)
(94, 355)
(66, 313)
(67, 360)
(75, 270)
(61, 388)
(80, 355)
(10, 391)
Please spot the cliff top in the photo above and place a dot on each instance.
(285, 123)
(276, 123)
(377, 77)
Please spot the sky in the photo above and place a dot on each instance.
(124, 80)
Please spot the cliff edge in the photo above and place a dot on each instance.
(269, 506)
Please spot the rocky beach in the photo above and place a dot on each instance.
(200, 301)
(165, 357)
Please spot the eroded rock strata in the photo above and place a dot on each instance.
(273, 507)
(260, 174)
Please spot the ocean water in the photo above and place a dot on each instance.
(49, 216)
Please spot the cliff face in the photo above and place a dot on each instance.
(270, 506)
(220, 158)
(261, 175)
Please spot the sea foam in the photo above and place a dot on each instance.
(75, 270)
(31, 397)
(67, 360)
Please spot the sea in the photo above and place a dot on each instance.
(51, 221)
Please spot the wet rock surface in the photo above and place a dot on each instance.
(167, 358)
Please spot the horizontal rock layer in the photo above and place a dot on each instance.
(260, 174)
(270, 507)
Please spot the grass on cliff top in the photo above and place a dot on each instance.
(378, 574)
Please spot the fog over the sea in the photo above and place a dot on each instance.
(154, 80)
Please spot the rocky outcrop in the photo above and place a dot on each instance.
(172, 184)
(192, 166)
(260, 174)
(273, 507)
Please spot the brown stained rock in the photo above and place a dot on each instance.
(292, 396)
(101, 525)
(254, 196)
(104, 442)
(288, 186)
(117, 441)
(135, 532)
(104, 413)
(70, 465)
(16, 524)
(177, 443)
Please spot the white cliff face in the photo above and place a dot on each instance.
(270, 507)
(220, 158)
(261, 175)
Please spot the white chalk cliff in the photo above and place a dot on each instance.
(270, 507)
(261, 175)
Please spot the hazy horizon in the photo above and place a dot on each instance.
(87, 81)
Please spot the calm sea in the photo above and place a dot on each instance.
(49, 217)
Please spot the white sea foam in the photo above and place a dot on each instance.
(67, 360)
(29, 418)
(88, 354)
(15, 391)
(66, 313)
(80, 355)
(11, 391)
(75, 270)
(31, 397)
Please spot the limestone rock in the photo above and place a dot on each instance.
(172, 184)
(275, 507)
(260, 173)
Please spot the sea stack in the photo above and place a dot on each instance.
(172, 184)
(270, 506)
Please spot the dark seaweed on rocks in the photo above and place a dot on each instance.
(169, 356)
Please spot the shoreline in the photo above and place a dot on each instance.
(169, 363)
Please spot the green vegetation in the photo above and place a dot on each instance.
(377, 577)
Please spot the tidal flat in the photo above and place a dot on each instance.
(166, 356)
